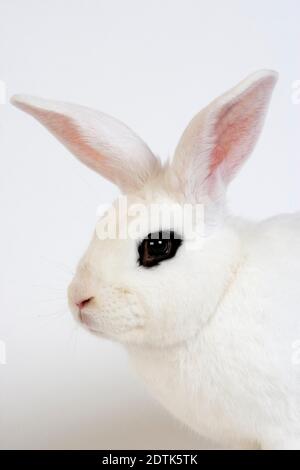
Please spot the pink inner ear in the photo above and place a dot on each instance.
(231, 141)
(235, 132)
(65, 129)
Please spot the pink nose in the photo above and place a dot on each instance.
(82, 303)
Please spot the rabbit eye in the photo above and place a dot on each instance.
(158, 247)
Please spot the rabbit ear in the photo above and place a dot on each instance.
(101, 142)
(221, 137)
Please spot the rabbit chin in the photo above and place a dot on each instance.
(121, 328)
(129, 327)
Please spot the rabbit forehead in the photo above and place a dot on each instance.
(136, 215)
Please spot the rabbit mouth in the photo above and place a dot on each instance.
(107, 328)
(89, 322)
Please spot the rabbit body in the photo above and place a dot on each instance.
(236, 381)
(214, 332)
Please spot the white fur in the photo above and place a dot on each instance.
(210, 331)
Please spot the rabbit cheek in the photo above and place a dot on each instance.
(119, 313)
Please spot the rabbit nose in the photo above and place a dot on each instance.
(83, 302)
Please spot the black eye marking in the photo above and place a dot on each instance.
(157, 247)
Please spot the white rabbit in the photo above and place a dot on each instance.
(210, 330)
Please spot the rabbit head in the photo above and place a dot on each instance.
(151, 286)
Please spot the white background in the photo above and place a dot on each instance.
(153, 64)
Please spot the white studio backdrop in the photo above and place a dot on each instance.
(152, 65)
